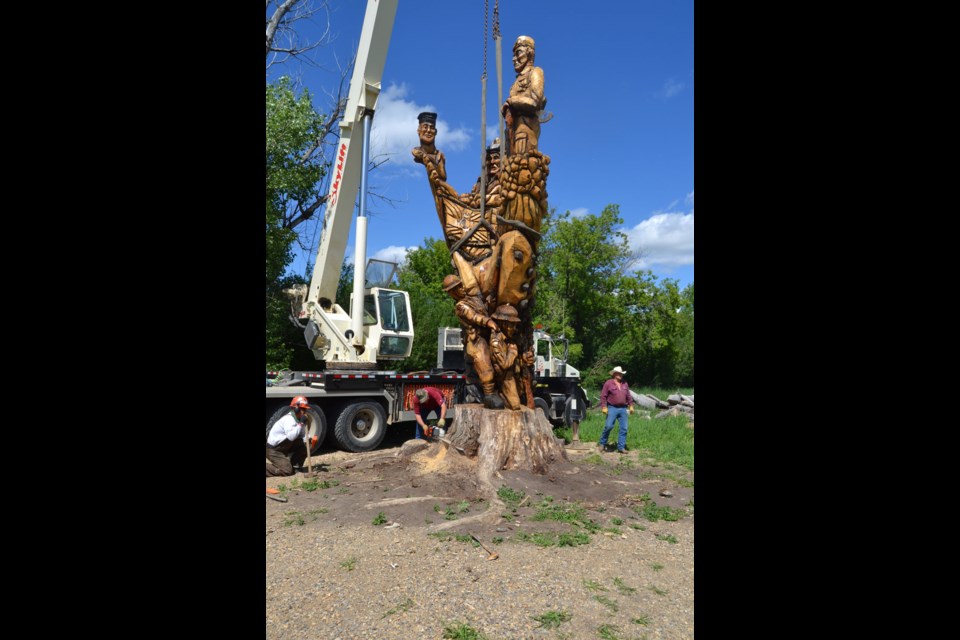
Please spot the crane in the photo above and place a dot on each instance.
(379, 325)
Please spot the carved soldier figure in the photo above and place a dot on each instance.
(521, 109)
(477, 325)
(504, 353)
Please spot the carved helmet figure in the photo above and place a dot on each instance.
(524, 40)
(506, 313)
(451, 282)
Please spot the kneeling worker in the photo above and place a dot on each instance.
(286, 448)
(426, 400)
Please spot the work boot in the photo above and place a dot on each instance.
(492, 401)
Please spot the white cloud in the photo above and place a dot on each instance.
(671, 88)
(689, 199)
(664, 239)
(395, 126)
(392, 254)
(579, 213)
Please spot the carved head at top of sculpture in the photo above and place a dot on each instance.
(523, 53)
(427, 130)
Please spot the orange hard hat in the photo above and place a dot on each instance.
(300, 402)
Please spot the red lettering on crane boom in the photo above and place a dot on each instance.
(335, 189)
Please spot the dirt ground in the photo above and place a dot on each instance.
(337, 568)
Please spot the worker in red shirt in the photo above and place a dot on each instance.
(426, 400)
(615, 403)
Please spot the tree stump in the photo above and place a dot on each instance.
(502, 439)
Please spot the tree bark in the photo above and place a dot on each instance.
(503, 439)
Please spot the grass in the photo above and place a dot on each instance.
(509, 496)
(349, 564)
(451, 512)
(608, 603)
(672, 539)
(461, 631)
(406, 605)
(667, 440)
(656, 566)
(623, 588)
(638, 526)
(658, 590)
(550, 539)
(297, 518)
(311, 484)
(617, 521)
(552, 619)
(608, 632)
(443, 536)
(652, 512)
(593, 585)
(644, 619)
(564, 512)
(380, 518)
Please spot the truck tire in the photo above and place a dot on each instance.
(543, 406)
(316, 421)
(569, 414)
(361, 426)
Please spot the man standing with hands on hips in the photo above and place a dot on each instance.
(615, 403)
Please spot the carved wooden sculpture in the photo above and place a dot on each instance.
(493, 252)
(493, 249)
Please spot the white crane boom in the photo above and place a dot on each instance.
(361, 100)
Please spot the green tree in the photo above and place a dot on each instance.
(294, 131)
(684, 365)
(582, 264)
(422, 276)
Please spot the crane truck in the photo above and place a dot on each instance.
(351, 391)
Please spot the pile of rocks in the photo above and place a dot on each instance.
(677, 404)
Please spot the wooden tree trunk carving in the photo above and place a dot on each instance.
(514, 440)
(493, 233)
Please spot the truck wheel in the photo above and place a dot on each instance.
(361, 426)
(569, 414)
(316, 424)
(543, 406)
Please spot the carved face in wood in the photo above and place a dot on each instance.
(427, 133)
(493, 164)
(522, 55)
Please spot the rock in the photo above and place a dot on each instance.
(666, 493)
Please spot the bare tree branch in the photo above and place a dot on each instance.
(274, 22)
(284, 40)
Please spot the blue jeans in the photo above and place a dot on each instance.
(616, 413)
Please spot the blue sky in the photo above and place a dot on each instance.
(619, 81)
